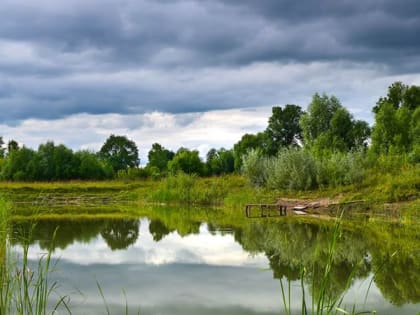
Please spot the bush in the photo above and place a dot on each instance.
(133, 173)
(255, 167)
(292, 169)
(300, 169)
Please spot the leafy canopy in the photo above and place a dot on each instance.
(120, 153)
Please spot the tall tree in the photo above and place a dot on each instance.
(1, 147)
(12, 145)
(220, 161)
(120, 153)
(247, 143)
(395, 120)
(186, 161)
(159, 157)
(328, 126)
(400, 95)
(283, 128)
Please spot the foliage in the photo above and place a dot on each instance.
(328, 126)
(298, 169)
(247, 143)
(159, 157)
(134, 173)
(52, 163)
(120, 153)
(2, 150)
(188, 189)
(255, 167)
(220, 162)
(283, 128)
(397, 117)
(186, 161)
(24, 289)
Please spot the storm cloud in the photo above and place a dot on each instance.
(59, 59)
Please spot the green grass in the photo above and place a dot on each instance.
(231, 192)
(23, 290)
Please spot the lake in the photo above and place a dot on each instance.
(173, 261)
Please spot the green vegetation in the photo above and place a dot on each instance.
(321, 151)
(25, 289)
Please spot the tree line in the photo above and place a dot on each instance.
(326, 129)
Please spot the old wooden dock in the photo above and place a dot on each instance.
(265, 210)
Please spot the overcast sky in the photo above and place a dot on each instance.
(192, 73)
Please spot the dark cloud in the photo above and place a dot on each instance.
(60, 58)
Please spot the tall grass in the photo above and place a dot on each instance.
(25, 290)
(188, 189)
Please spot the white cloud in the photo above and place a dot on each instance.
(195, 131)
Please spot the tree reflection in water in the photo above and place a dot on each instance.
(362, 249)
(121, 233)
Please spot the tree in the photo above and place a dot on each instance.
(12, 145)
(328, 126)
(396, 120)
(1, 147)
(316, 121)
(220, 161)
(120, 153)
(65, 164)
(247, 143)
(19, 165)
(400, 95)
(159, 157)
(283, 128)
(90, 167)
(186, 161)
(46, 165)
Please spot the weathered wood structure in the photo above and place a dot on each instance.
(266, 210)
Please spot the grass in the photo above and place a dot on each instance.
(230, 192)
(24, 290)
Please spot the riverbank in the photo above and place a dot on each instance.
(380, 194)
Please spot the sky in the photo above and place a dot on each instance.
(197, 73)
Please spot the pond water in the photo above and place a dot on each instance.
(168, 263)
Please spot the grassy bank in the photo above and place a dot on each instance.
(388, 192)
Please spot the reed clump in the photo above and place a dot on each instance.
(25, 289)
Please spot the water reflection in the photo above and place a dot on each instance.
(181, 245)
(119, 234)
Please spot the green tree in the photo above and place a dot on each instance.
(90, 167)
(46, 165)
(19, 165)
(327, 126)
(186, 161)
(283, 128)
(247, 143)
(316, 121)
(1, 147)
(159, 157)
(12, 145)
(120, 153)
(220, 161)
(65, 164)
(396, 120)
(400, 95)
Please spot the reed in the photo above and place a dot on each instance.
(25, 290)
(323, 300)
